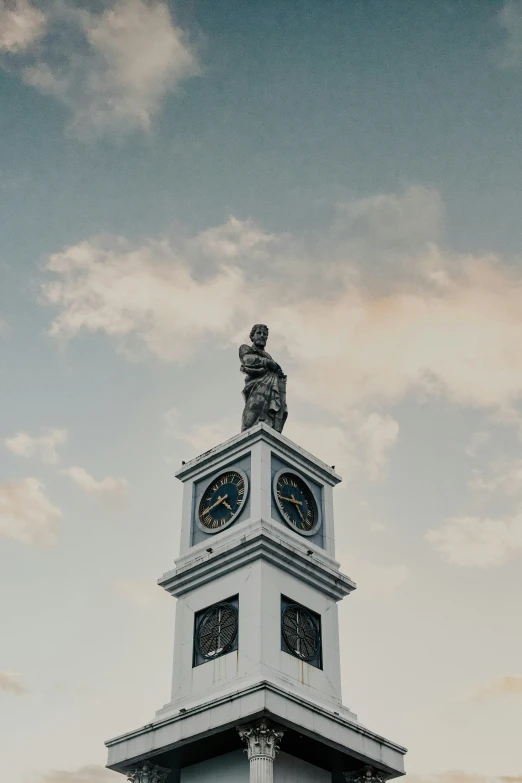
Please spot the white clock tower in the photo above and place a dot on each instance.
(256, 686)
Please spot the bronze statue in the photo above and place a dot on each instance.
(265, 383)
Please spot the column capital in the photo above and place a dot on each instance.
(147, 773)
(367, 774)
(262, 740)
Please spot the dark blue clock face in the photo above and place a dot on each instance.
(296, 502)
(222, 500)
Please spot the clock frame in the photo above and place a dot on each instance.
(217, 477)
(305, 489)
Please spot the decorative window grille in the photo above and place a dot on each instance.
(216, 631)
(300, 632)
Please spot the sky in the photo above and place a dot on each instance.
(347, 173)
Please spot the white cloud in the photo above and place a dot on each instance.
(147, 293)
(10, 683)
(141, 594)
(92, 773)
(360, 442)
(200, 436)
(478, 542)
(378, 433)
(509, 416)
(26, 513)
(477, 440)
(448, 341)
(21, 24)
(454, 332)
(112, 69)
(331, 443)
(45, 446)
(106, 486)
(395, 221)
(499, 688)
(234, 239)
(510, 20)
(505, 476)
(378, 581)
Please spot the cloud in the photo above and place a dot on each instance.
(451, 328)
(106, 486)
(378, 434)
(511, 417)
(505, 476)
(21, 24)
(111, 69)
(502, 686)
(200, 436)
(141, 594)
(10, 683)
(478, 542)
(26, 513)
(360, 442)
(45, 446)
(330, 443)
(378, 581)
(145, 293)
(477, 440)
(457, 776)
(395, 221)
(234, 239)
(92, 773)
(458, 338)
(510, 20)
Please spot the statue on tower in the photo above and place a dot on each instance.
(265, 383)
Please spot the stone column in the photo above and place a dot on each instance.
(147, 773)
(366, 774)
(262, 745)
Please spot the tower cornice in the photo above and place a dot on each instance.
(262, 539)
(333, 730)
(234, 446)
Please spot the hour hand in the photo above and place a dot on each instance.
(227, 505)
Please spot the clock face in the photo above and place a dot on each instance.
(222, 501)
(296, 502)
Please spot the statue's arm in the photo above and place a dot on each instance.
(251, 363)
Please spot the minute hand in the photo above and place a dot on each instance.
(218, 501)
(300, 513)
(291, 500)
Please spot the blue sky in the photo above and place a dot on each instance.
(348, 173)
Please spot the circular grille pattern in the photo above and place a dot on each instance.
(300, 632)
(216, 631)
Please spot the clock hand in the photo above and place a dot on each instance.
(218, 501)
(290, 500)
(227, 506)
(300, 514)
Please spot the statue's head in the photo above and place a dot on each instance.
(259, 335)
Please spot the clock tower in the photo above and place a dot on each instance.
(256, 682)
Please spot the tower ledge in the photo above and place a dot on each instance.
(252, 540)
(333, 740)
